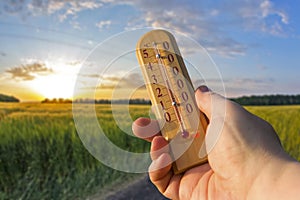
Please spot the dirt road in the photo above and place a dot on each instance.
(140, 189)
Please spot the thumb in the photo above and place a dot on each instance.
(213, 106)
(210, 103)
(203, 99)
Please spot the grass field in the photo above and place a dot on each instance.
(286, 122)
(42, 157)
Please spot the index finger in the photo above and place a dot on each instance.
(146, 128)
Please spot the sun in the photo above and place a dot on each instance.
(59, 84)
(54, 86)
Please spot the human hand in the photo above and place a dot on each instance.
(246, 160)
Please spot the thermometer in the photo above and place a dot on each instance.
(172, 96)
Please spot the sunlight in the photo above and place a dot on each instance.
(60, 84)
(54, 86)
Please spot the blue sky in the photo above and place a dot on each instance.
(255, 44)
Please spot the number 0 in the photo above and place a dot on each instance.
(180, 83)
(170, 58)
(184, 96)
(189, 108)
(166, 45)
(167, 116)
(175, 70)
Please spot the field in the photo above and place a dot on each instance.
(42, 157)
(286, 122)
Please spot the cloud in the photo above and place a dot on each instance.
(13, 6)
(2, 54)
(226, 47)
(63, 9)
(75, 25)
(130, 81)
(207, 23)
(88, 75)
(29, 71)
(110, 82)
(196, 21)
(258, 15)
(74, 63)
(238, 86)
(68, 7)
(103, 24)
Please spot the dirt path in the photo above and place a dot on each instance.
(140, 189)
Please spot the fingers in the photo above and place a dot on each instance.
(159, 146)
(210, 103)
(203, 99)
(146, 128)
(160, 172)
(160, 169)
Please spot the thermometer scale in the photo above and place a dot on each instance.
(172, 96)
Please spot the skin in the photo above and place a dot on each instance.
(246, 161)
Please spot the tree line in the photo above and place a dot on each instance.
(268, 100)
(245, 100)
(114, 101)
(56, 100)
(98, 101)
(6, 98)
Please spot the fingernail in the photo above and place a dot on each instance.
(203, 88)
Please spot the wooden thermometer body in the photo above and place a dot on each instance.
(172, 96)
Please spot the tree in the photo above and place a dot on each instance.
(6, 98)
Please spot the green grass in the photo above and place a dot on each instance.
(42, 157)
(286, 122)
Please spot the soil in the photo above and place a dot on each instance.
(139, 189)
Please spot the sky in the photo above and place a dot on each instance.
(50, 47)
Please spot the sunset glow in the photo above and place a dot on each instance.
(59, 83)
(54, 86)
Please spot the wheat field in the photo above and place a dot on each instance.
(42, 157)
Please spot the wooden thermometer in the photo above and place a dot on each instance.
(172, 96)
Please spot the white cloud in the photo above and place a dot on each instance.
(196, 21)
(75, 25)
(210, 24)
(103, 24)
(214, 12)
(28, 72)
(268, 9)
(239, 86)
(53, 6)
(259, 15)
(64, 8)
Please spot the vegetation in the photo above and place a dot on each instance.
(269, 100)
(99, 101)
(286, 122)
(5, 98)
(245, 100)
(59, 100)
(42, 157)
